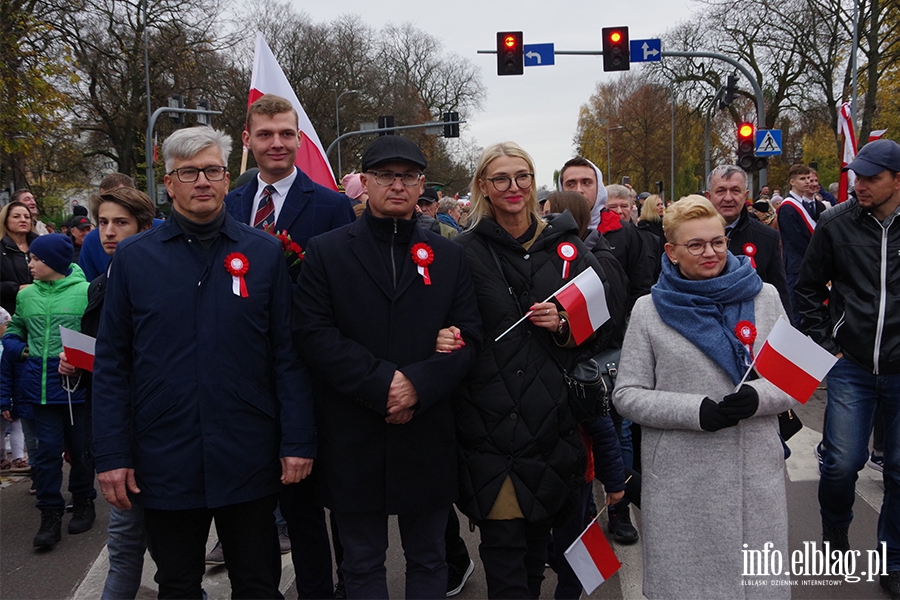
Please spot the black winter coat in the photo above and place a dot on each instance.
(512, 415)
(767, 247)
(13, 271)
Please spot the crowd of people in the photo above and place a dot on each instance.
(367, 343)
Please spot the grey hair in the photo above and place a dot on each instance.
(187, 143)
(447, 204)
(614, 190)
(727, 172)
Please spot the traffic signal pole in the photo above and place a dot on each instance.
(437, 124)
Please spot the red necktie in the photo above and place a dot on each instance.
(265, 214)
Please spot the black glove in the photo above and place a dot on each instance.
(740, 405)
(712, 418)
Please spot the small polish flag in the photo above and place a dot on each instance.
(793, 362)
(592, 558)
(585, 300)
(79, 348)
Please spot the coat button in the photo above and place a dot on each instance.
(509, 458)
(513, 416)
(520, 372)
(527, 256)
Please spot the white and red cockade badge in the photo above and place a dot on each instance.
(750, 252)
(746, 334)
(423, 255)
(567, 252)
(237, 264)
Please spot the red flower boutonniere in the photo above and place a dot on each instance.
(423, 255)
(293, 253)
(567, 252)
(746, 334)
(750, 251)
(237, 265)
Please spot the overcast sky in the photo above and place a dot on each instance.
(538, 110)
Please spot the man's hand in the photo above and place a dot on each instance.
(404, 416)
(449, 339)
(401, 395)
(6, 415)
(295, 468)
(115, 486)
(614, 497)
(64, 367)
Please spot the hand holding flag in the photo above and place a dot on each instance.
(79, 348)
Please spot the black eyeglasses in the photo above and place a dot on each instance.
(386, 178)
(191, 174)
(696, 247)
(502, 183)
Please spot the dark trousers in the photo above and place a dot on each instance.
(55, 434)
(364, 537)
(310, 548)
(457, 553)
(249, 540)
(514, 553)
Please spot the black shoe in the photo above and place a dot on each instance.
(51, 529)
(837, 536)
(284, 540)
(339, 592)
(457, 577)
(620, 526)
(891, 582)
(83, 515)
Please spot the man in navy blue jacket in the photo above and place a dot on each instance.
(202, 409)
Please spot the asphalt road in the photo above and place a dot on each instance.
(76, 567)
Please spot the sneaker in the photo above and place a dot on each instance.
(891, 582)
(817, 451)
(340, 593)
(51, 529)
(83, 515)
(284, 540)
(875, 462)
(457, 577)
(837, 536)
(620, 526)
(216, 556)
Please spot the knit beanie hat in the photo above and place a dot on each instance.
(55, 250)
(4, 317)
(352, 185)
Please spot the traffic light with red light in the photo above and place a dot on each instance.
(616, 53)
(746, 145)
(510, 54)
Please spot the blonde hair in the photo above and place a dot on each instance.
(648, 210)
(480, 205)
(687, 209)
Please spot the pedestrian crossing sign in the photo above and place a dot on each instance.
(768, 142)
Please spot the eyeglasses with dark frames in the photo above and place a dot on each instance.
(191, 174)
(502, 183)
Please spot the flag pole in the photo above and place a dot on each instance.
(244, 159)
(528, 314)
(744, 378)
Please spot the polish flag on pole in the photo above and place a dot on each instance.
(268, 78)
(585, 301)
(79, 348)
(845, 127)
(877, 134)
(793, 362)
(592, 558)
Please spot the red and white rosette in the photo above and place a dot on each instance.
(423, 255)
(750, 251)
(746, 334)
(567, 252)
(237, 265)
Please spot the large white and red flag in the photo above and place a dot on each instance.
(268, 78)
(592, 558)
(845, 128)
(793, 362)
(79, 348)
(584, 299)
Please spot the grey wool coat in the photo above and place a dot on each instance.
(704, 494)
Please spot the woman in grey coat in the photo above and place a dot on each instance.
(713, 463)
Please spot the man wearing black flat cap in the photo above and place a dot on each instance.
(856, 248)
(387, 444)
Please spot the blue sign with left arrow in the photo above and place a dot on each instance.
(538, 55)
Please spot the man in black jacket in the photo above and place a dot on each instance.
(387, 443)
(727, 189)
(855, 249)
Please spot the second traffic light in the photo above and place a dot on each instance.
(451, 130)
(746, 144)
(616, 52)
(510, 54)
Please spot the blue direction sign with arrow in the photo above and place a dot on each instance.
(538, 55)
(645, 50)
(768, 142)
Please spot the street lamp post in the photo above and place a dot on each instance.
(608, 160)
(337, 120)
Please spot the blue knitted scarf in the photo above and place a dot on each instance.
(706, 311)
